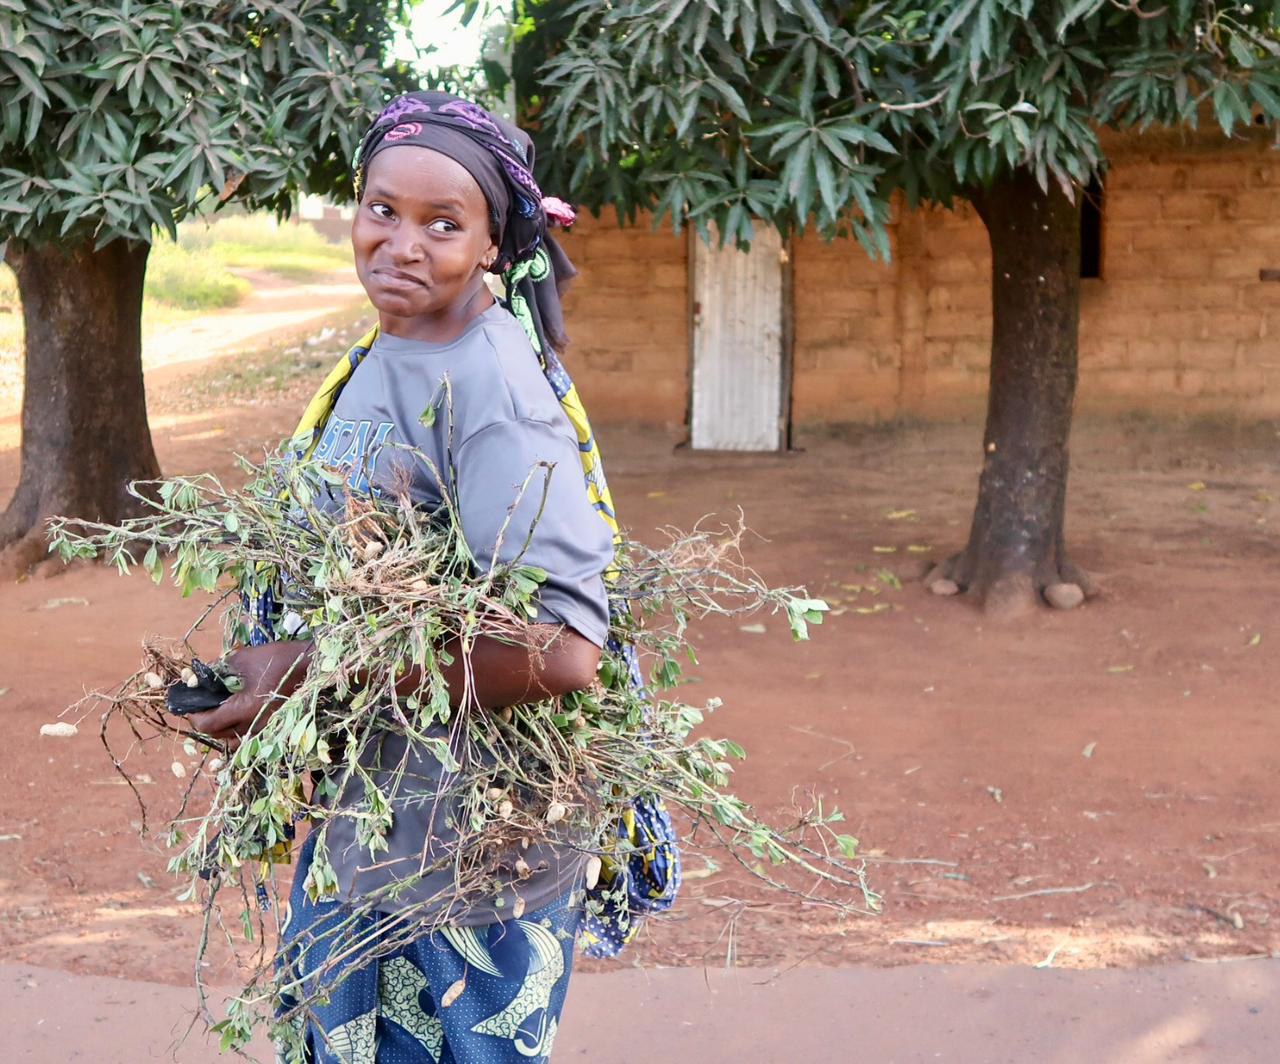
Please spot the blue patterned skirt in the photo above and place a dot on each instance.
(459, 995)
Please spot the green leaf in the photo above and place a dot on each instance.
(1241, 51)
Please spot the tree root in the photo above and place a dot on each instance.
(1007, 594)
(24, 553)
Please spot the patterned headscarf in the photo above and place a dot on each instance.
(499, 157)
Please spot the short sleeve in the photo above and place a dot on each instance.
(568, 540)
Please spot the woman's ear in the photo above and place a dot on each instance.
(490, 257)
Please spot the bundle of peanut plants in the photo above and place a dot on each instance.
(381, 586)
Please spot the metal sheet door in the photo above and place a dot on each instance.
(739, 363)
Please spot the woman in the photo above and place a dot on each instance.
(445, 194)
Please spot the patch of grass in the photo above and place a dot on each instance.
(258, 242)
(11, 333)
(8, 288)
(191, 279)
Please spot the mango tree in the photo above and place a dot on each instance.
(800, 113)
(117, 121)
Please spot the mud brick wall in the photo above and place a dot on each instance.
(627, 315)
(1179, 321)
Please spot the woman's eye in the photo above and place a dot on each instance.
(381, 210)
(442, 225)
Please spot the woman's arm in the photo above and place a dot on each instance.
(557, 661)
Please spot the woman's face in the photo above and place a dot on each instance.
(422, 240)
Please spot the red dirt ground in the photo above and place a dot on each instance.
(1125, 752)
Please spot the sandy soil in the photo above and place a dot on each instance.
(1087, 789)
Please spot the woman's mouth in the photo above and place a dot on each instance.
(388, 277)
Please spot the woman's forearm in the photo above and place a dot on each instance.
(496, 674)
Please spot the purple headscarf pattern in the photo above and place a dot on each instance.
(525, 222)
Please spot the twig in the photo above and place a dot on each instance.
(1046, 890)
(937, 98)
(1226, 856)
(910, 860)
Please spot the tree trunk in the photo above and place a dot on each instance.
(84, 411)
(1015, 555)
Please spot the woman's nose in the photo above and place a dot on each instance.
(407, 244)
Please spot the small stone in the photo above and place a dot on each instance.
(1064, 596)
(453, 993)
(59, 730)
(945, 587)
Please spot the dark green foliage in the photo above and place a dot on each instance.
(814, 111)
(117, 119)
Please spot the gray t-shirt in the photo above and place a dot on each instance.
(505, 419)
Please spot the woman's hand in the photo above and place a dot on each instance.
(270, 673)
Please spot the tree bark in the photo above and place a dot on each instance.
(1016, 554)
(84, 410)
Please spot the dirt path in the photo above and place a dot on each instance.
(1090, 789)
(275, 311)
(1194, 1014)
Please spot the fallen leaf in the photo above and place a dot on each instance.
(900, 515)
(1196, 485)
(918, 548)
(1120, 668)
(885, 550)
(1088, 750)
(702, 873)
(54, 603)
(1257, 638)
(655, 494)
(879, 607)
